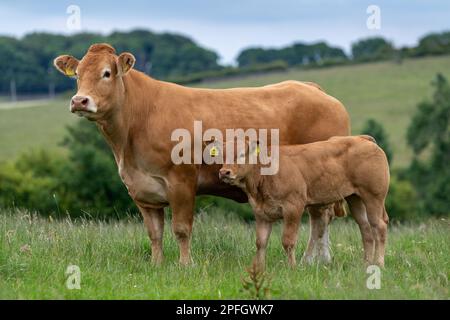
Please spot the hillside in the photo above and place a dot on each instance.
(385, 91)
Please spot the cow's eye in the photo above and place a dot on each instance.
(106, 74)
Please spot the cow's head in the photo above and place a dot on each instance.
(241, 168)
(99, 78)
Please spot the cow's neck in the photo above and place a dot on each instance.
(115, 131)
(118, 127)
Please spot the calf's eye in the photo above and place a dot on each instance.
(106, 74)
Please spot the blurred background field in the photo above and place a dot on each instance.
(385, 91)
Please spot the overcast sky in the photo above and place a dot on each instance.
(228, 26)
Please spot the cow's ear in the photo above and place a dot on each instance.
(125, 63)
(67, 65)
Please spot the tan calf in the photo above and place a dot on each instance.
(316, 175)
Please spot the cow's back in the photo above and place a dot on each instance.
(302, 112)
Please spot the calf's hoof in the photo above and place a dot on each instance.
(157, 261)
(186, 262)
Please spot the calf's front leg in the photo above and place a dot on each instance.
(263, 229)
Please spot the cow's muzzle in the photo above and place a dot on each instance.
(81, 104)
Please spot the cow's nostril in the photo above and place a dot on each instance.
(84, 101)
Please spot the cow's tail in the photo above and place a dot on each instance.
(313, 84)
(339, 208)
(367, 137)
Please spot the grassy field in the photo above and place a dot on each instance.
(27, 125)
(385, 91)
(114, 260)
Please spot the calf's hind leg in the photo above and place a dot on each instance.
(291, 222)
(318, 244)
(377, 216)
(358, 211)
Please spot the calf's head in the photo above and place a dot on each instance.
(241, 168)
(99, 78)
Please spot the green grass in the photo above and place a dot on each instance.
(114, 259)
(28, 125)
(385, 91)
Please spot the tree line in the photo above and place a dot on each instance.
(364, 50)
(26, 63)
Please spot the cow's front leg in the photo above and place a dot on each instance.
(154, 222)
(318, 248)
(182, 201)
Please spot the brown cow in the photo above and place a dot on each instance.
(316, 175)
(137, 115)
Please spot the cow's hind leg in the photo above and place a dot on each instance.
(358, 211)
(376, 214)
(263, 229)
(318, 248)
(154, 222)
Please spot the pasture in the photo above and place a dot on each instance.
(114, 260)
(385, 91)
(114, 256)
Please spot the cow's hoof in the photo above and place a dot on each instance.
(313, 259)
(307, 260)
(324, 258)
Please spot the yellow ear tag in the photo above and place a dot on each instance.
(257, 150)
(69, 72)
(213, 152)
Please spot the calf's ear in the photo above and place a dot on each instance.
(66, 64)
(253, 147)
(125, 63)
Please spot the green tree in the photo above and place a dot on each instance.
(372, 49)
(296, 54)
(90, 178)
(376, 130)
(27, 60)
(430, 131)
(433, 44)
